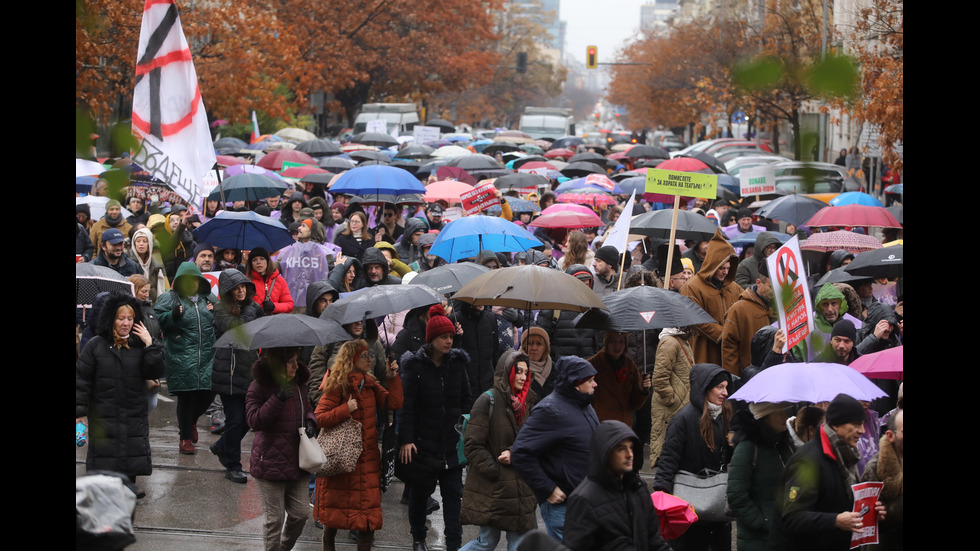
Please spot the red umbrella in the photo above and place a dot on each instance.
(567, 219)
(300, 171)
(538, 164)
(446, 190)
(455, 173)
(685, 164)
(274, 160)
(560, 152)
(229, 160)
(854, 216)
(887, 364)
(842, 239)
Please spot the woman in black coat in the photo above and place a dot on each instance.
(110, 388)
(231, 372)
(697, 440)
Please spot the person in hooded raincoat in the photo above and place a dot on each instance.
(714, 289)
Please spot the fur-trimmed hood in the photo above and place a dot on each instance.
(107, 315)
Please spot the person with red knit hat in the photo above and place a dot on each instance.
(436, 389)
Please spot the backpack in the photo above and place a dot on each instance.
(464, 420)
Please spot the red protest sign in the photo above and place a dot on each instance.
(792, 298)
(480, 198)
(866, 494)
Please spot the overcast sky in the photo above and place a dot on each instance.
(606, 24)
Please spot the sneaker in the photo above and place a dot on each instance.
(236, 476)
(187, 447)
(218, 427)
(214, 449)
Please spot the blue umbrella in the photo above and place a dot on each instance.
(855, 198)
(468, 236)
(634, 184)
(243, 231)
(83, 184)
(377, 180)
(580, 184)
(248, 187)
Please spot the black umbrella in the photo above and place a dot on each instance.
(792, 209)
(380, 300)
(91, 280)
(582, 168)
(229, 143)
(883, 262)
(322, 178)
(415, 151)
(336, 164)
(479, 165)
(643, 151)
(838, 275)
(589, 157)
(689, 225)
(502, 147)
(521, 180)
(405, 164)
(368, 155)
(644, 307)
(449, 278)
(529, 159)
(319, 148)
(376, 139)
(281, 331)
(445, 126)
(567, 142)
(714, 164)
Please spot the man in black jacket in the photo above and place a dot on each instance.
(611, 509)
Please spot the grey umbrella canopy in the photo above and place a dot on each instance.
(283, 330)
(376, 139)
(689, 225)
(319, 148)
(443, 125)
(643, 151)
(883, 262)
(415, 151)
(483, 166)
(529, 288)
(380, 300)
(450, 278)
(792, 209)
(644, 307)
(521, 180)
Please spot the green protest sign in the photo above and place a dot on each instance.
(689, 184)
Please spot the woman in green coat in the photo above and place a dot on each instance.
(755, 473)
(187, 319)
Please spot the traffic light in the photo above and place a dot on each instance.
(591, 57)
(522, 62)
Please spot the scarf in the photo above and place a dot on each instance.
(847, 457)
(541, 370)
(518, 399)
(121, 342)
(114, 221)
(714, 410)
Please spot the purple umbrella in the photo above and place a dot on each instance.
(807, 382)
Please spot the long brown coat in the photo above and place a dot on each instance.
(495, 495)
(746, 316)
(353, 500)
(617, 395)
(714, 297)
(671, 387)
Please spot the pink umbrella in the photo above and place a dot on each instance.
(446, 190)
(887, 364)
(229, 160)
(854, 216)
(841, 239)
(235, 170)
(274, 160)
(587, 199)
(567, 219)
(560, 152)
(539, 164)
(561, 207)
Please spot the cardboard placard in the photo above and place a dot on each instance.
(424, 134)
(480, 198)
(377, 125)
(793, 304)
(757, 180)
(688, 184)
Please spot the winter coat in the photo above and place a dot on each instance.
(434, 400)
(412, 335)
(353, 500)
(494, 494)
(275, 448)
(350, 246)
(748, 269)
(551, 450)
(339, 274)
(323, 358)
(83, 243)
(887, 467)
(125, 267)
(566, 339)
(671, 387)
(479, 340)
(619, 392)
(110, 388)
(153, 268)
(188, 336)
(410, 253)
(610, 512)
(314, 291)
(755, 477)
(274, 288)
(745, 317)
(684, 448)
(232, 368)
(819, 339)
(373, 255)
(813, 492)
(100, 226)
(714, 297)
